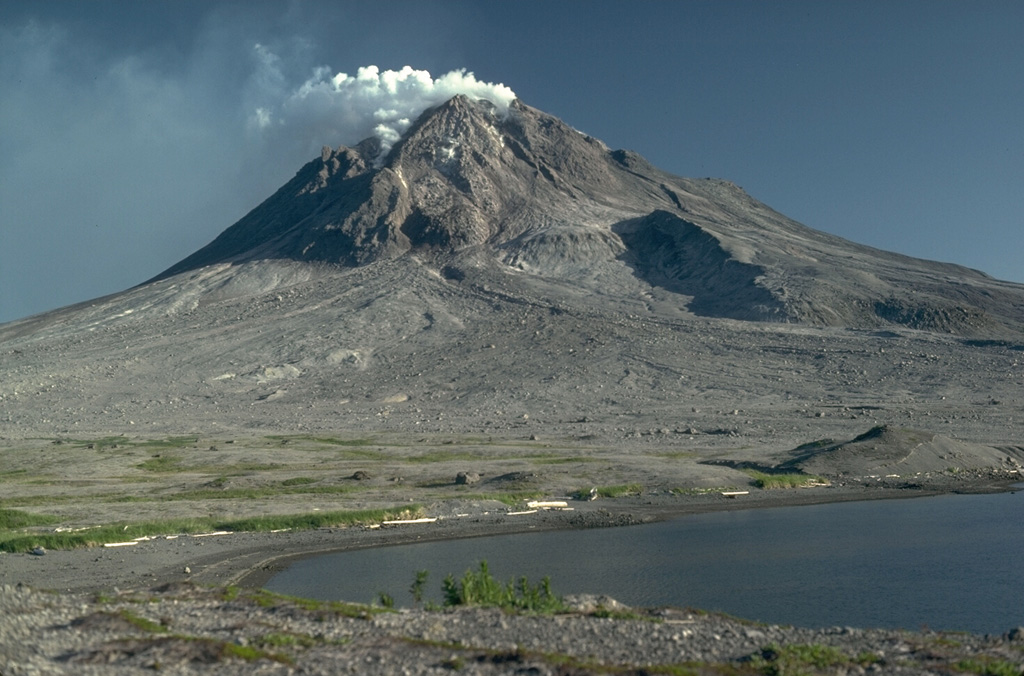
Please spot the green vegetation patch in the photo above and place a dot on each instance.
(18, 542)
(318, 519)
(247, 653)
(480, 588)
(13, 518)
(268, 599)
(775, 481)
(775, 660)
(140, 622)
(161, 463)
(213, 491)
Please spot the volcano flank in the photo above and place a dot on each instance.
(467, 187)
(500, 273)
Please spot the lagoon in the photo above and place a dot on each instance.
(947, 562)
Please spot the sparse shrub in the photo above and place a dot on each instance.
(773, 481)
(776, 660)
(416, 589)
(161, 463)
(479, 588)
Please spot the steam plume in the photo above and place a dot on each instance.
(342, 108)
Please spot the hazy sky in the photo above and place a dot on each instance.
(127, 134)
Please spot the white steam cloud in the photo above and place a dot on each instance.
(341, 108)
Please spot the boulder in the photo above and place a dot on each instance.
(464, 478)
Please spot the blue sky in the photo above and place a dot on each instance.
(126, 140)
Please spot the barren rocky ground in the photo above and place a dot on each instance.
(184, 629)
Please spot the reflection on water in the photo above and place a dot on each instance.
(950, 562)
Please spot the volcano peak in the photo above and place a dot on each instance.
(527, 193)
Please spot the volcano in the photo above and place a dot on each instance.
(502, 272)
(525, 195)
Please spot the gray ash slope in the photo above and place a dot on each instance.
(527, 192)
(509, 275)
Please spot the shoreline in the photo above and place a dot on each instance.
(249, 559)
(625, 513)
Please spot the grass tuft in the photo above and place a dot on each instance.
(775, 481)
(141, 622)
(122, 532)
(268, 599)
(161, 463)
(775, 660)
(13, 518)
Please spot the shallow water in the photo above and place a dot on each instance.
(948, 562)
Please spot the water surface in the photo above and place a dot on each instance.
(948, 562)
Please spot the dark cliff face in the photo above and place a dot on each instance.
(529, 194)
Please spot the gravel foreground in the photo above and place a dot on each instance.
(193, 605)
(183, 629)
